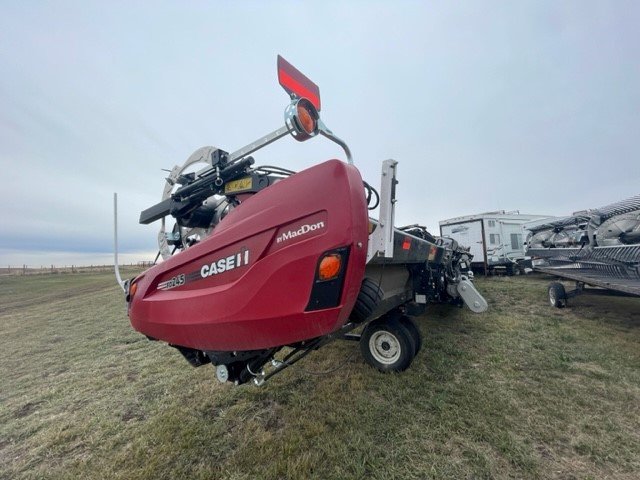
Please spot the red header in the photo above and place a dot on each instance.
(294, 81)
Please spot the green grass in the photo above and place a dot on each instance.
(523, 391)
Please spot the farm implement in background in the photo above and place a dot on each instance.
(598, 248)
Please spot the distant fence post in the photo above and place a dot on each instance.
(24, 269)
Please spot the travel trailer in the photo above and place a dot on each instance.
(495, 239)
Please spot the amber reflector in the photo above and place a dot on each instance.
(329, 267)
(306, 120)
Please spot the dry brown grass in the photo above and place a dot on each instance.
(524, 391)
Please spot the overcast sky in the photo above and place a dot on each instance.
(532, 106)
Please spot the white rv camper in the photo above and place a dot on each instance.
(495, 238)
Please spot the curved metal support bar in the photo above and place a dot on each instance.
(325, 132)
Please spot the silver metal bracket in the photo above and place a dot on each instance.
(381, 240)
(471, 296)
(258, 144)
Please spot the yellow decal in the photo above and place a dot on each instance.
(238, 185)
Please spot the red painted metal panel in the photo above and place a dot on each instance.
(245, 287)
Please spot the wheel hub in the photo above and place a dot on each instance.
(385, 347)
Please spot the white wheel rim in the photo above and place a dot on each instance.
(384, 347)
(552, 297)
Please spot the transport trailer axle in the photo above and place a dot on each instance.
(302, 351)
(388, 343)
(558, 294)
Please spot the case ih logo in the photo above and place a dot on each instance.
(225, 264)
(303, 230)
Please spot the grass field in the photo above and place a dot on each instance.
(523, 391)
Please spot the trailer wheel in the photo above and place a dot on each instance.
(557, 295)
(410, 325)
(516, 270)
(367, 301)
(387, 345)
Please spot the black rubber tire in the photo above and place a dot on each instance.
(557, 295)
(515, 270)
(367, 301)
(410, 325)
(387, 345)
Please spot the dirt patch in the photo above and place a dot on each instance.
(132, 414)
(544, 452)
(27, 409)
(270, 415)
(55, 373)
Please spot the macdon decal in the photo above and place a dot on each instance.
(173, 282)
(225, 264)
(303, 230)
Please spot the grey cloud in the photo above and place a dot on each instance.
(530, 105)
